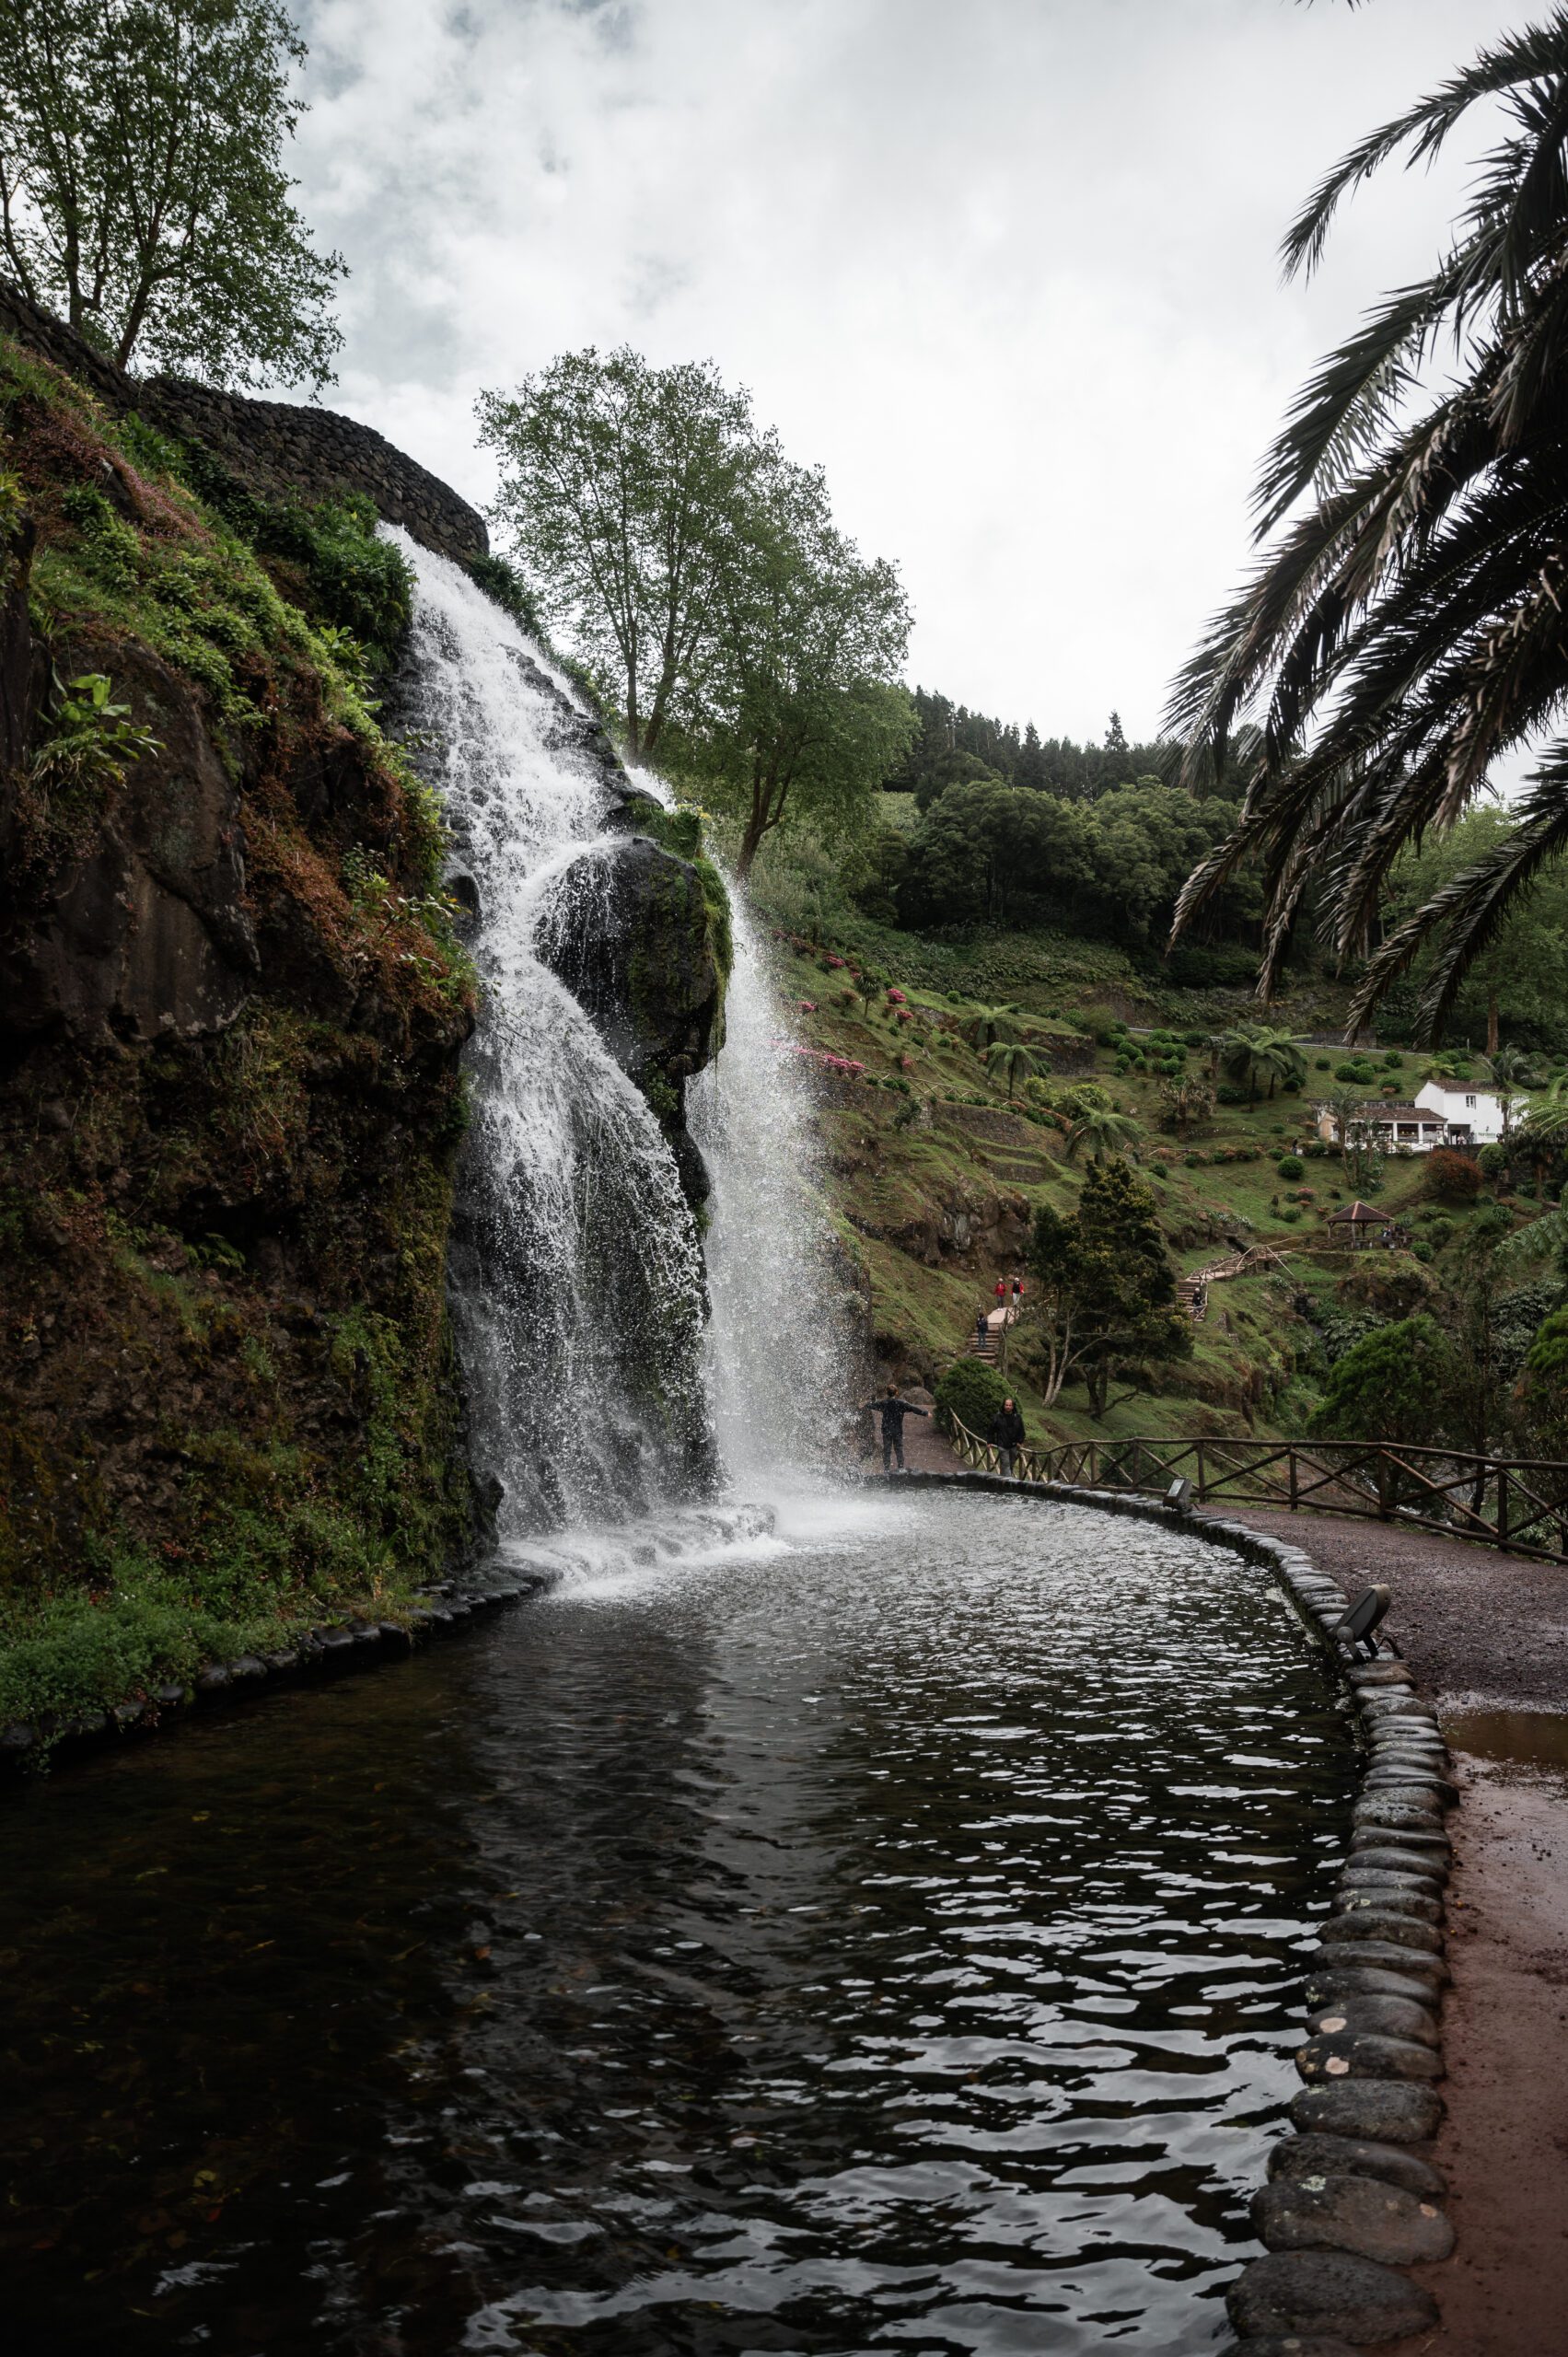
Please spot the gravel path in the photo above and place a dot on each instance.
(1480, 1629)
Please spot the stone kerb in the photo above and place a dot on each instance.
(1353, 2195)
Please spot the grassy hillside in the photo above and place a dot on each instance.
(932, 1180)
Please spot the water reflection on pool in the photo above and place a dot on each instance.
(879, 1937)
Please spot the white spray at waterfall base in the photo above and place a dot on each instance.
(578, 1279)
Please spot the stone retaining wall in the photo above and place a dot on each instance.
(279, 449)
(1354, 2195)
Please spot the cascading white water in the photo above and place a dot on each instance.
(577, 1278)
(577, 1281)
(777, 1341)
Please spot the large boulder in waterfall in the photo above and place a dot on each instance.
(635, 934)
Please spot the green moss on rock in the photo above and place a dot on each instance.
(231, 1012)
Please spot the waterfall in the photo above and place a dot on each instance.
(777, 1344)
(578, 1282)
(576, 1279)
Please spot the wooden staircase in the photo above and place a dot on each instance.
(1193, 1292)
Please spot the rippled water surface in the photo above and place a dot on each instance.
(883, 1936)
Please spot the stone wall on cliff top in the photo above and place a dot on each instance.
(277, 448)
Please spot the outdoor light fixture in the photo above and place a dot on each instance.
(1178, 1497)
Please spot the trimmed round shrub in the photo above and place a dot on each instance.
(1291, 1166)
(973, 1392)
(1323, 1064)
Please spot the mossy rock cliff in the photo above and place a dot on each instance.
(231, 1014)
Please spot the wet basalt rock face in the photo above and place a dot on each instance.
(639, 934)
(231, 1018)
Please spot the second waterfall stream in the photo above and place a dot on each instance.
(616, 1364)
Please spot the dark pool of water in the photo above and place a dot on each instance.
(890, 1942)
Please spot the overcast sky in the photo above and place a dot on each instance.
(1006, 268)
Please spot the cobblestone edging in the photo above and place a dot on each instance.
(314, 1654)
(1354, 2195)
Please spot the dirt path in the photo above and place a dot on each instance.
(1482, 1631)
(1486, 1635)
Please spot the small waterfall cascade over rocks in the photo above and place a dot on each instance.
(778, 1341)
(578, 1279)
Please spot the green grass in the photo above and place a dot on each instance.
(900, 1159)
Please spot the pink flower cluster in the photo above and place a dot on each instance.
(808, 1006)
(896, 997)
(823, 1056)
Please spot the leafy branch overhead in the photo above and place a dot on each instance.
(1404, 630)
(142, 184)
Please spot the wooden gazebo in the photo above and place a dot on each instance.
(1359, 1219)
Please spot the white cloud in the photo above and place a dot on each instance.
(1007, 268)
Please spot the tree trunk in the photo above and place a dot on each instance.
(1492, 1024)
(751, 841)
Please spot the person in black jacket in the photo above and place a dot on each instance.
(893, 1408)
(1006, 1434)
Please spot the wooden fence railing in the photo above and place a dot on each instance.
(1516, 1502)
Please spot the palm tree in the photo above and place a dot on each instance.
(990, 1026)
(1511, 1070)
(1104, 1132)
(1403, 631)
(1186, 1100)
(1247, 1051)
(1012, 1059)
(1543, 1132)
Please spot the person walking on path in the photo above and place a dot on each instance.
(1001, 1293)
(1006, 1434)
(1018, 1294)
(982, 1326)
(893, 1408)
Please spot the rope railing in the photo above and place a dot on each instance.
(1520, 1504)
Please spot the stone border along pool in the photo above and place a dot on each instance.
(326, 1651)
(1354, 2195)
(1351, 2197)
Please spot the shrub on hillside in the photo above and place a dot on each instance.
(971, 1392)
(1390, 1386)
(1290, 1166)
(1452, 1178)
